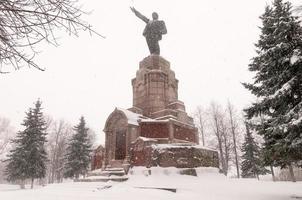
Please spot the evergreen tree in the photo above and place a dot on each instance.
(278, 85)
(78, 152)
(28, 158)
(251, 165)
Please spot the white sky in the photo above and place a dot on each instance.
(209, 45)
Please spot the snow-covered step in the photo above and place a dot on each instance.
(103, 179)
(108, 172)
(114, 169)
(96, 172)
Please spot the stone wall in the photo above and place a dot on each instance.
(154, 130)
(179, 156)
(151, 154)
(185, 133)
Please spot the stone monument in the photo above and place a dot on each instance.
(156, 130)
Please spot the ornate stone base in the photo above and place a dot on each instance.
(155, 152)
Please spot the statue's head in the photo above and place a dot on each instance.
(154, 16)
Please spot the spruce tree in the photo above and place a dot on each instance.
(251, 165)
(28, 158)
(78, 152)
(278, 85)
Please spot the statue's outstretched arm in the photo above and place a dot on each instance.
(139, 15)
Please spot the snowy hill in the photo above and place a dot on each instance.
(208, 185)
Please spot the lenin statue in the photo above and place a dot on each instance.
(153, 31)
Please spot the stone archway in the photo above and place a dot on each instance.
(116, 137)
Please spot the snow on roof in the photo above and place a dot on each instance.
(131, 116)
(154, 120)
(166, 116)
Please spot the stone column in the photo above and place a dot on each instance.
(112, 145)
(107, 145)
(171, 131)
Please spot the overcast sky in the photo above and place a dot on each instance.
(209, 45)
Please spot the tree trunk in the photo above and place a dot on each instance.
(32, 183)
(226, 152)
(291, 172)
(52, 173)
(273, 173)
(199, 115)
(215, 114)
(201, 130)
(22, 184)
(222, 160)
(202, 139)
(236, 155)
(234, 138)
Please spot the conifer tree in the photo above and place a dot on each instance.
(251, 165)
(78, 152)
(28, 159)
(278, 85)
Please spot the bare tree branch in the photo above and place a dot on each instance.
(25, 23)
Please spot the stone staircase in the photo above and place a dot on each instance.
(113, 172)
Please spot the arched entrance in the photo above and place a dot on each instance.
(120, 145)
(120, 129)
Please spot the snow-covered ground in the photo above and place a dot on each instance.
(208, 185)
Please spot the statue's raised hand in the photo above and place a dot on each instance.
(139, 15)
(133, 9)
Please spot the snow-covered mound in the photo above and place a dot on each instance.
(207, 185)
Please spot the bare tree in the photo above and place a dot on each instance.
(223, 129)
(59, 132)
(7, 133)
(233, 127)
(25, 23)
(226, 140)
(200, 119)
(92, 138)
(215, 115)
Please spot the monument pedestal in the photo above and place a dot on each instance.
(157, 125)
(155, 91)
